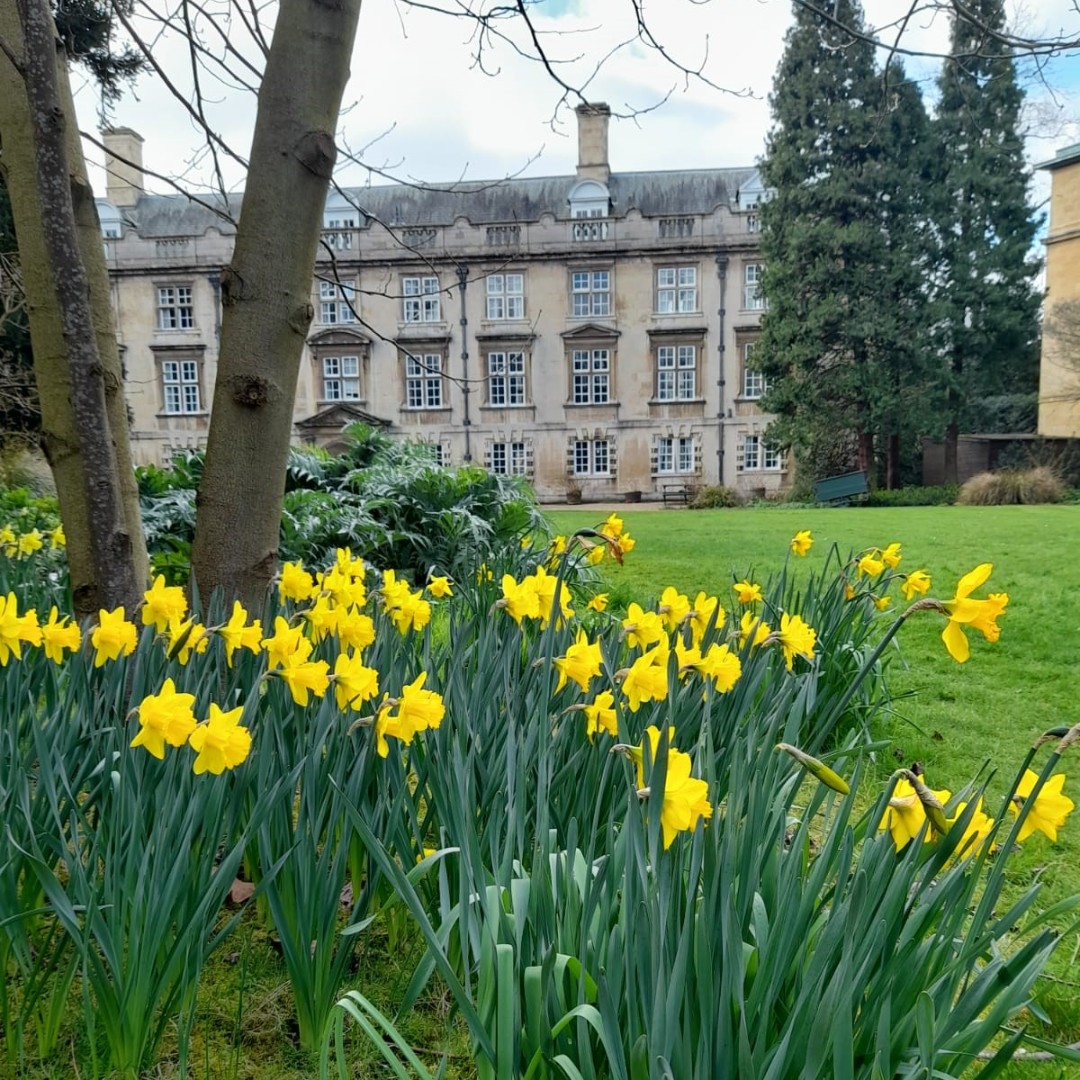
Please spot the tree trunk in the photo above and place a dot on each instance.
(59, 436)
(115, 579)
(266, 297)
(865, 451)
(952, 444)
(892, 462)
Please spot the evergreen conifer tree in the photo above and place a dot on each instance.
(987, 333)
(845, 252)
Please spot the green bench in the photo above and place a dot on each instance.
(840, 490)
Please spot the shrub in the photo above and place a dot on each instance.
(939, 495)
(1009, 487)
(715, 498)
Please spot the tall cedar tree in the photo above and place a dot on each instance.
(843, 264)
(988, 326)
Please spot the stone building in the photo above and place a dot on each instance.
(1059, 371)
(590, 332)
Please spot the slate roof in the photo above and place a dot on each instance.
(654, 194)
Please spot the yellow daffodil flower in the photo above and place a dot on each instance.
(976, 833)
(642, 628)
(688, 659)
(686, 799)
(747, 592)
(355, 630)
(221, 743)
(917, 583)
(1049, 810)
(163, 604)
(9, 542)
(354, 683)
(304, 677)
(599, 602)
(613, 526)
(796, 639)
(890, 556)
(186, 638)
(600, 715)
(57, 538)
(906, 815)
(801, 542)
(647, 677)
(15, 629)
(324, 618)
(286, 641)
(30, 542)
(557, 546)
(979, 614)
(673, 608)
(545, 585)
(417, 710)
(871, 565)
(881, 602)
(165, 717)
(626, 543)
(236, 634)
(701, 614)
(722, 666)
(57, 635)
(296, 583)
(581, 662)
(519, 599)
(113, 636)
(751, 624)
(440, 588)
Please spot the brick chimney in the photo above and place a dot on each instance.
(123, 165)
(592, 122)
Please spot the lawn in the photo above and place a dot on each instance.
(953, 718)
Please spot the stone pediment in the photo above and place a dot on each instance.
(590, 332)
(338, 416)
(340, 335)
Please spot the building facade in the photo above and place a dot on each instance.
(1059, 369)
(590, 332)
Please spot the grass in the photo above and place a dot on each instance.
(955, 719)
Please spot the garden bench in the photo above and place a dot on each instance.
(840, 490)
(678, 493)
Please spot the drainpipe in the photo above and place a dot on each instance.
(721, 272)
(466, 389)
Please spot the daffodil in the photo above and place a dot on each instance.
(354, 683)
(673, 608)
(30, 542)
(296, 583)
(613, 526)
(440, 587)
(58, 634)
(15, 629)
(9, 543)
(979, 614)
(165, 717)
(163, 604)
(801, 542)
(871, 565)
(881, 602)
(600, 715)
(546, 586)
(286, 641)
(599, 602)
(753, 629)
(917, 583)
(113, 636)
(746, 592)
(304, 677)
(409, 611)
(57, 539)
(642, 628)
(686, 800)
(237, 634)
(891, 556)
(976, 832)
(722, 666)
(221, 743)
(417, 710)
(647, 677)
(581, 662)
(186, 638)
(796, 638)
(906, 815)
(702, 613)
(323, 617)
(1048, 810)
(355, 630)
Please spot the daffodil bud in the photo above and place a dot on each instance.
(817, 768)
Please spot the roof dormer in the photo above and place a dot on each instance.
(589, 199)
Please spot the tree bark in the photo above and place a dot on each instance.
(951, 473)
(59, 435)
(115, 579)
(266, 297)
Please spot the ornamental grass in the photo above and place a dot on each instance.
(636, 843)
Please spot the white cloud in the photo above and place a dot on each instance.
(417, 78)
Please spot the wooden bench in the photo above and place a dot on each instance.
(840, 490)
(678, 493)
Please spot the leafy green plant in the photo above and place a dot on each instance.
(713, 498)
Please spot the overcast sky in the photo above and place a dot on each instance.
(420, 106)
